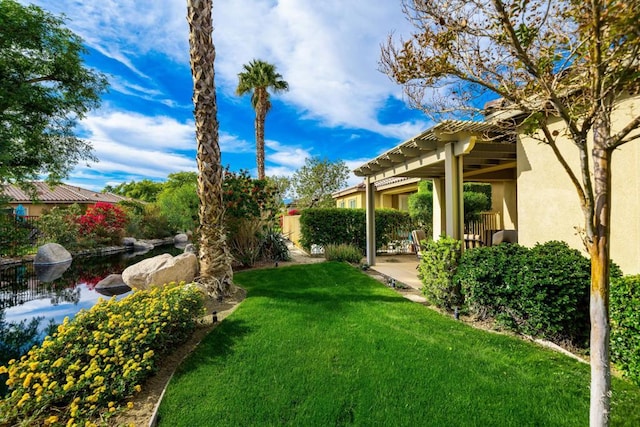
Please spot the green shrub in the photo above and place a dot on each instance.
(348, 226)
(437, 267)
(98, 360)
(625, 325)
(488, 278)
(61, 225)
(273, 247)
(153, 224)
(179, 205)
(553, 297)
(542, 291)
(343, 253)
(476, 198)
(474, 204)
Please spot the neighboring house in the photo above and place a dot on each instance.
(48, 197)
(391, 193)
(531, 192)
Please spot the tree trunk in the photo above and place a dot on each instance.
(600, 258)
(261, 114)
(215, 261)
(260, 119)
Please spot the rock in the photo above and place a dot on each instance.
(52, 253)
(190, 248)
(180, 238)
(49, 272)
(128, 241)
(110, 281)
(141, 245)
(160, 270)
(112, 285)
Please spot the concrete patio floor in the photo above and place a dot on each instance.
(402, 268)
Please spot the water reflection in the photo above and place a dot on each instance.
(59, 290)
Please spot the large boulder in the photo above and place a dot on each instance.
(128, 241)
(181, 239)
(160, 270)
(142, 246)
(52, 253)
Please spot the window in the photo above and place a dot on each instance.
(352, 204)
(341, 204)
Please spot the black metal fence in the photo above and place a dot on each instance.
(18, 234)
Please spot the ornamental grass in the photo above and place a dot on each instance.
(94, 364)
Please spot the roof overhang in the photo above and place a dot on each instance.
(488, 150)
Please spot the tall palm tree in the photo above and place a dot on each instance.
(215, 260)
(259, 76)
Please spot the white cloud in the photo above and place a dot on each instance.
(288, 156)
(137, 130)
(233, 144)
(328, 51)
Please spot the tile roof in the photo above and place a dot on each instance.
(62, 193)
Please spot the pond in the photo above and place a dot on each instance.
(27, 291)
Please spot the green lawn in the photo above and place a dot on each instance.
(324, 345)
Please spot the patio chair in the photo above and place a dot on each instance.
(417, 237)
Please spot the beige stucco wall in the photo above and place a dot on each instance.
(291, 228)
(355, 198)
(548, 206)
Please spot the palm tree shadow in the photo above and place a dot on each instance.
(215, 346)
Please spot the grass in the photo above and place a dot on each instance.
(324, 344)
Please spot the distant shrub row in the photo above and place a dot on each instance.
(334, 226)
(541, 291)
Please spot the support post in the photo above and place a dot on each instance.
(453, 193)
(370, 190)
(439, 208)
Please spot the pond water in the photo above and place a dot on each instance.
(27, 291)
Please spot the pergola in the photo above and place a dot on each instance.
(448, 153)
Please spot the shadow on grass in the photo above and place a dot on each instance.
(216, 346)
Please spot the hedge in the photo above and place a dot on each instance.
(542, 291)
(625, 325)
(335, 226)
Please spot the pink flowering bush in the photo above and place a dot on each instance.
(105, 223)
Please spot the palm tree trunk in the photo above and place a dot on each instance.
(599, 300)
(261, 115)
(215, 262)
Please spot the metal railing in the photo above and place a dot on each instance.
(18, 234)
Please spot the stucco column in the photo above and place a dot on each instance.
(439, 208)
(453, 193)
(510, 206)
(370, 191)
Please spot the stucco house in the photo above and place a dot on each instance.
(48, 197)
(392, 193)
(531, 191)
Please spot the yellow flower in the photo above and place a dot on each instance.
(130, 405)
(52, 419)
(3, 369)
(24, 398)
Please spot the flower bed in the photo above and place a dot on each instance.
(98, 360)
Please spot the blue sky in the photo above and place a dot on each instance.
(339, 105)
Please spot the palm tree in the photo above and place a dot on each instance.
(215, 261)
(259, 76)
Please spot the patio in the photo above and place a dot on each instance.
(401, 267)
